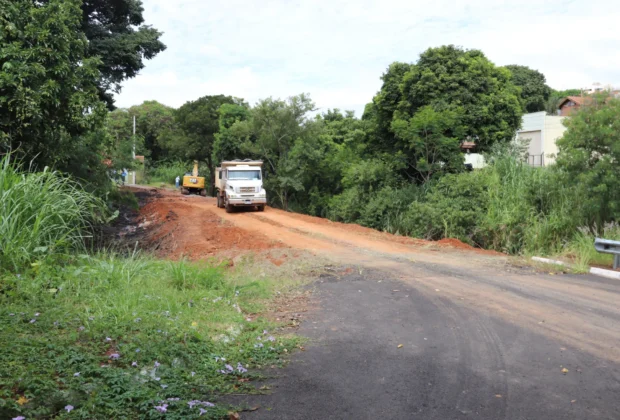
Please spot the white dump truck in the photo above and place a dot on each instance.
(239, 183)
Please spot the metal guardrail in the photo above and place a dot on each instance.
(607, 246)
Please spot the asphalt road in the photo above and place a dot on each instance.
(456, 362)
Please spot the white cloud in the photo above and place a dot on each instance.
(336, 50)
(211, 50)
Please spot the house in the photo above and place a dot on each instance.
(570, 104)
(472, 160)
(540, 132)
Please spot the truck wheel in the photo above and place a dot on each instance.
(228, 207)
(261, 207)
(203, 192)
(219, 202)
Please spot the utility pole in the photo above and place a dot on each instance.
(133, 151)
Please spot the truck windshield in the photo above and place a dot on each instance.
(243, 174)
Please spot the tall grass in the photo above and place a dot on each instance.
(580, 250)
(42, 213)
(527, 209)
(507, 206)
(167, 172)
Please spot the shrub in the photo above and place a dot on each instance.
(167, 172)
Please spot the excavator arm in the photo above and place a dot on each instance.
(195, 171)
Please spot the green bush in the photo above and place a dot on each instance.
(507, 206)
(389, 201)
(167, 172)
(453, 208)
(42, 214)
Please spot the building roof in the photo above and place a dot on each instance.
(579, 100)
(468, 145)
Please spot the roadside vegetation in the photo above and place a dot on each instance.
(96, 335)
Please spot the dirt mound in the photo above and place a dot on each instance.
(455, 243)
(175, 229)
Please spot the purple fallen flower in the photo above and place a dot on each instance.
(217, 358)
(76, 374)
(208, 404)
(259, 338)
(37, 314)
(115, 356)
(108, 339)
(56, 323)
(240, 368)
(134, 364)
(173, 399)
(265, 332)
(164, 386)
(259, 345)
(19, 418)
(193, 403)
(193, 373)
(91, 318)
(68, 408)
(229, 367)
(223, 371)
(137, 320)
(202, 411)
(272, 349)
(162, 408)
(158, 379)
(271, 338)
(32, 321)
(12, 314)
(137, 350)
(157, 364)
(81, 328)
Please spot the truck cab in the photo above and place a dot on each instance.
(239, 183)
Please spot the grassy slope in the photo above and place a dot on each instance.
(119, 337)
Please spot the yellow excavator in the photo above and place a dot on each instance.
(192, 183)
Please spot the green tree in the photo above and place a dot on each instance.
(197, 123)
(276, 126)
(229, 138)
(534, 90)
(466, 82)
(426, 147)
(154, 122)
(589, 154)
(117, 35)
(477, 100)
(48, 84)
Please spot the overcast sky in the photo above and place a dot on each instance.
(336, 50)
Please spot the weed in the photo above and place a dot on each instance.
(129, 337)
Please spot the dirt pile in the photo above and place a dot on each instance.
(174, 228)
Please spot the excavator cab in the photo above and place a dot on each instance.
(193, 183)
